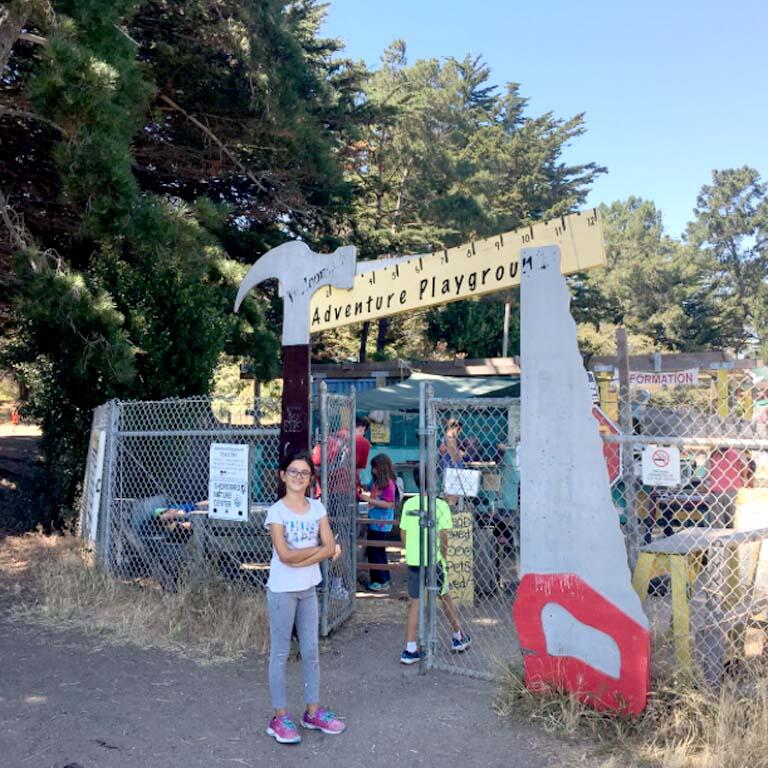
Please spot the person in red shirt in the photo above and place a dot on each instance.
(729, 470)
(362, 449)
(337, 456)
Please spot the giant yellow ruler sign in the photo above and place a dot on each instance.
(390, 286)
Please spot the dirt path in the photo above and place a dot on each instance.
(70, 700)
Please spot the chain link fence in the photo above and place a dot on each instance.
(693, 500)
(145, 502)
(689, 482)
(472, 461)
(339, 492)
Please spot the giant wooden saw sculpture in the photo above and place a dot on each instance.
(581, 626)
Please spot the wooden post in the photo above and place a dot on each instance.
(505, 339)
(627, 459)
(722, 392)
(294, 429)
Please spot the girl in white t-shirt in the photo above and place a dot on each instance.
(301, 540)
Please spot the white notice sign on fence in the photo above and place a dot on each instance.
(94, 473)
(461, 482)
(228, 481)
(661, 465)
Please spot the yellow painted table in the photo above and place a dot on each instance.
(681, 555)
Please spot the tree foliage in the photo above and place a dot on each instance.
(705, 292)
(447, 157)
(652, 285)
(730, 229)
(151, 149)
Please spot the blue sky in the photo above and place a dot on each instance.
(671, 90)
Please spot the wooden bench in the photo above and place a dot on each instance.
(395, 544)
(235, 547)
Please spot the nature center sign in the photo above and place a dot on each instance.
(391, 286)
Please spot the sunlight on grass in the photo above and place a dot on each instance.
(210, 620)
(682, 727)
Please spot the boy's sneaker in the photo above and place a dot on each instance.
(376, 587)
(283, 730)
(458, 646)
(409, 657)
(323, 720)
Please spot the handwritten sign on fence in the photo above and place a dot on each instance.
(460, 559)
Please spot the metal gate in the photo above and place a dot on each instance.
(339, 494)
(471, 461)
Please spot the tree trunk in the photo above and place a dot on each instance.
(381, 334)
(12, 20)
(364, 340)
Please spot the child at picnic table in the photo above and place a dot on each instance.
(381, 506)
(301, 540)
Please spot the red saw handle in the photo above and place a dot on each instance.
(626, 694)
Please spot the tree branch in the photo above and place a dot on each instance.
(30, 116)
(220, 144)
(13, 225)
(28, 37)
(11, 23)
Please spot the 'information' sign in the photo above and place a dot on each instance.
(687, 378)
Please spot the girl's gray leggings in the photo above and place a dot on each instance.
(284, 609)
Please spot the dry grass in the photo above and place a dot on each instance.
(684, 727)
(207, 621)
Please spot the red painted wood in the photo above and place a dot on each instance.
(626, 694)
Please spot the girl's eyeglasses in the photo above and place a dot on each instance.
(304, 474)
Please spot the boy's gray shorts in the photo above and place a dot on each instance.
(413, 580)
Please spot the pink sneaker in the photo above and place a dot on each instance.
(283, 730)
(324, 721)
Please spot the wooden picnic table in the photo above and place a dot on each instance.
(711, 554)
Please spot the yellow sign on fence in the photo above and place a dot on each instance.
(460, 558)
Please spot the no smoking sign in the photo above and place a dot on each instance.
(661, 466)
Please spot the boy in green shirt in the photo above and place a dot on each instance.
(410, 533)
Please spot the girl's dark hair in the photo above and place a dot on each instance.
(304, 456)
(384, 470)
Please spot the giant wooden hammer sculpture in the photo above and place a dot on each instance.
(300, 273)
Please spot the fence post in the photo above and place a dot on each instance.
(324, 498)
(722, 392)
(423, 462)
(353, 508)
(627, 453)
(431, 528)
(108, 492)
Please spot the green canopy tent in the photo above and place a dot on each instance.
(486, 428)
(404, 396)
